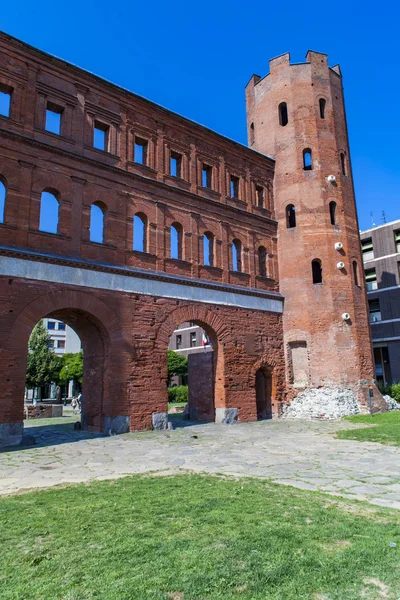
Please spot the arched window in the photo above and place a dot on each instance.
(3, 193)
(322, 105)
(140, 232)
(355, 272)
(208, 249)
(237, 255)
(307, 159)
(316, 271)
(290, 216)
(96, 223)
(332, 212)
(343, 162)
(49, 209)
(262, 261)
(283, 114)
(176, 241)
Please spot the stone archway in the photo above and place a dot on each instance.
(98, 329)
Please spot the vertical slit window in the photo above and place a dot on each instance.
(100, 136)
(53, 118)
(237, 255)
(355, 272)
(49, 213)
(260, 196)
(140, 151)
(176, 241)
(139, 233)
(252, 134)
(322, 106)
(307, 159)
(5, 100)
(290, 216)
(262, 261)
(316, 271)
(234, 186)
(343, 163)
(206, 176)
(208, 249)
(332, 212)
(175, 164)
(283, 114)
(96, 224)
(3, 193)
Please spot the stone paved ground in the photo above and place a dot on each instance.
(302, 454)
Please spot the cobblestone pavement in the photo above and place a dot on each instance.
(302, 454)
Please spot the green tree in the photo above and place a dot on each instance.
(43, 365)
(177, 365)
(72, 367)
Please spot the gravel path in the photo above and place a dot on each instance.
(298, 453)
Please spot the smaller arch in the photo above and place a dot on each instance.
(208, 249)
(262, 261)
(322, 106)
(283, 114)
(176, 237)
(290, 216)
(49, 211)
(307, 159)
(3, 196)
(236, 255)
(316, 270)
(343, 163)
(97, 217)
(332, 212)
(140, 232)
(355, 273)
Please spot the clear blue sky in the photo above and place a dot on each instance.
(196, 57)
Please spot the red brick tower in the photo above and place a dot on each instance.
(296, 115)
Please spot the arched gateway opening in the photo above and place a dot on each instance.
(264, 393)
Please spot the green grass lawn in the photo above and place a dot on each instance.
(194, 537)
(386, 429)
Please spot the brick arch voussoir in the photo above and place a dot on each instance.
(201, 314)
(55, 302)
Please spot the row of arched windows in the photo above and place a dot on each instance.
(291, 214)
(284, 113)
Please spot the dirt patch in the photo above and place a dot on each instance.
(383, 589)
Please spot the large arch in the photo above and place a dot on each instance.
(98, 327)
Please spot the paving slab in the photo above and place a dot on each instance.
(302, 454)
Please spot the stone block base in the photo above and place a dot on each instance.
(160, 420)
(11, 434)
(116, 425)
(226, 416)
(42, 411)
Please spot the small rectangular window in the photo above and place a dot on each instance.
(206, 176)
(397, 240)
(61, 344)
(234, 186)
(140, 151)
(5, 100)
(178, 342)
(51, 344)
(367, 249)
(260, 196)
(371, 280)
(51, 325)
(193, 340)
(61, 327)
(53, 118)
(100, 136)
(374, 311)
(175, 164)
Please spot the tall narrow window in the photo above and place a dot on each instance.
(193, 339)
(367, 249)
(355, 272)
(206, 176)
(234, 186)
(260, 196)
(307, 159)
(396, 235)
(283, 114)
(176, 241)
(374, 311)
(175, 164)
(208, 249)
(343, 162)
(251, 134)
(139, 232)
(53, 118)
(262, 261)
(371, 280)
(178, 342)
(3, 192)
(140, 151)
(5, 100)
(100, 136)
(332, 212)
(290, 216)
(316, 271)
(237, 255)
(96, 223)
(49, 209)
(322, 105)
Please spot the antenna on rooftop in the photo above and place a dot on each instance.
(383, 218)
(372, 219)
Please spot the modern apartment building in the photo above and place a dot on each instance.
(62, 337)
(381, 257)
